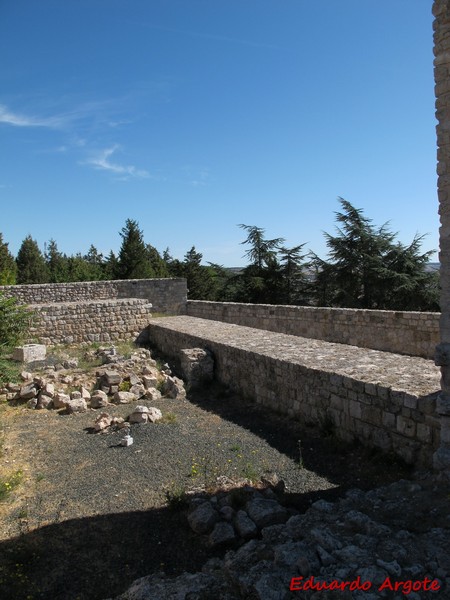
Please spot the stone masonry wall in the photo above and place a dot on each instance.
(100, 321)
(384, 400)
(412, 333)
(166, 295)
(441, 26)
(97, 311)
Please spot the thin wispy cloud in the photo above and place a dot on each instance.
(202, 178)
(197, 177)
(102, 162)
(97, 111)
(14, 119)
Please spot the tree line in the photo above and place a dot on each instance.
(366, 267)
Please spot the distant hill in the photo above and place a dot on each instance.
(234, 270)
(432, 266)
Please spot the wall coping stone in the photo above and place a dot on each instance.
(412, 374)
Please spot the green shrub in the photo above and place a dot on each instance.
(9, 370)
(176, 498)
(14, 322)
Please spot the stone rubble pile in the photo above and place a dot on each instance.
(236, 515)
(122, 381)
(345, 541)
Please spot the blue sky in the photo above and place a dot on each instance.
(192, 116)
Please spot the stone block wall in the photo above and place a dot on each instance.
(100, 321)
(392, 417)
(167, 295)
(97, 311)
(441, 26)
(411, 333)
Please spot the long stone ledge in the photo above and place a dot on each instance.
(403, 332)
(48, 306)
(383, 399)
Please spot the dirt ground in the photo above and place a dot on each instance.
(90, 516)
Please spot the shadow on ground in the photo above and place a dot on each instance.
(318, 449)
(95, 558)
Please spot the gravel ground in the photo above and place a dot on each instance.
(91, 516)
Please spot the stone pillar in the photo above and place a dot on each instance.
(441, 26)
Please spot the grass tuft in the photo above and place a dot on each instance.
(10, 483)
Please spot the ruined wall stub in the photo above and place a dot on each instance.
(441, 12)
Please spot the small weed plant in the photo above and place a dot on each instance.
(168, 418)
(124, 386)
(232, 462)
(10, 483)
(176, 497)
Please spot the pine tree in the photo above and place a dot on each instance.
(56, 263)
(31, 265)
(95, 263)
(110, 267)
(133, 260)
(199, 278)
(260, 281)
(261, 249)
(157, 263)
(368, 268)
(294, 283)
(8, 268)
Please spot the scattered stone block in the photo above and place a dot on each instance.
(111, 378)
(30, 353)
(44, 402)
(145, 414)
(222, 534)
(72, 363)
(245, 527)
(123, 397)
(203, 518)
(32, 403)
(138, 390)
(173, 387)
(154, 414)
(76, 406)
(149, 381)
(85, 394)
(99, 399)
(103, 421)
(48, 389)
(60, 400)
(28, 391)
(139, 415)
(264, 512)
(153, 394)
(133, 379)
(197, 366)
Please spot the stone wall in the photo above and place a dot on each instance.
(441, 26)
(412, 333)
(384, 400)
(166, 295)
(100, 321)
(97, 311)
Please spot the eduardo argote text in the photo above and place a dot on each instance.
(405, 587)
